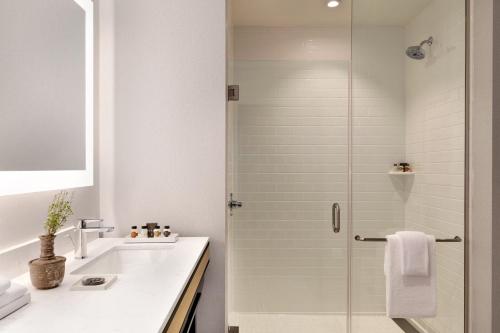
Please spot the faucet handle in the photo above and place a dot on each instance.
(82, 223)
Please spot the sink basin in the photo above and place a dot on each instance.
(125, 259)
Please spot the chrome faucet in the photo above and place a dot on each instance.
(81, 231)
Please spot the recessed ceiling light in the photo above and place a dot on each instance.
(333, 3)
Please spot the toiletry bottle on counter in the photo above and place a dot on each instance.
(166, 231)
(151, 229)
(144, 231)
(157, 231)
(133, 232)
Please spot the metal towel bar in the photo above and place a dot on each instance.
(456, 239)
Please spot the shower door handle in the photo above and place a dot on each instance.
(336, 217)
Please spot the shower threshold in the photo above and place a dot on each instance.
(317, 323)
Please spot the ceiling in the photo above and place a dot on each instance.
(314, 13)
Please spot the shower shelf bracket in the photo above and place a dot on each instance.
(401, 173)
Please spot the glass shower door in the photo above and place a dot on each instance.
(288, 267)
(288, 166)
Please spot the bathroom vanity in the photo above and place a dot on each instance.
(157, 289)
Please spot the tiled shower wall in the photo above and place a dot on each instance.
(435, 120)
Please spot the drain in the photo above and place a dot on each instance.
(94, 281)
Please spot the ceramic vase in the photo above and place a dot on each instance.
(47, 272)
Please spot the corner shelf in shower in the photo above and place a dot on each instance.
(401, 173)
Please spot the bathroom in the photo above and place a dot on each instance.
(277, 144)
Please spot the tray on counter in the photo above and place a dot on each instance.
(170, 239)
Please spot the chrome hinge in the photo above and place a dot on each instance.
(233, 92)
(232, 204)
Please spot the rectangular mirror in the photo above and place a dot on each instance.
(46, 88)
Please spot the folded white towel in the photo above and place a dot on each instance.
(14, 305)
(14, 292)
(415, 258)
(4, 285)
(409, 296)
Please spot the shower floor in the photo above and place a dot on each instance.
(310, 323)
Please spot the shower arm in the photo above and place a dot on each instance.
(428, 41)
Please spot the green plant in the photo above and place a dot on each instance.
(59, 211)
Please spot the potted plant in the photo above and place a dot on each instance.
(47, 271)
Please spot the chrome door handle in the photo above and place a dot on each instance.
(234, 203)
(336, 217)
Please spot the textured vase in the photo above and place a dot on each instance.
(47, 272)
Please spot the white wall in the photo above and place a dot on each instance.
(169, 128)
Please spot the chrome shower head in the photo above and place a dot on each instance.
(417, 52)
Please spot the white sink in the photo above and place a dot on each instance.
(125, 259)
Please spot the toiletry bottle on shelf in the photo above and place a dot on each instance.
(133, 232)
(166, 231)
(404, 166)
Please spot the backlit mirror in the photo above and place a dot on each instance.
(46, 102)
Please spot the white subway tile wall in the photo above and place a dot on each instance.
(435, 129)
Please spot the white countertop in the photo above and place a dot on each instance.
(137, 303)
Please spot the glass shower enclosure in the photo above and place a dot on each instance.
(324, 101)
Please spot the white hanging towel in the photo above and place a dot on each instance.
(409, 296)
(415, 258)
(4, 285)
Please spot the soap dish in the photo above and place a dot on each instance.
(94, 282)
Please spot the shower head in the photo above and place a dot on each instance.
(417, 52)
